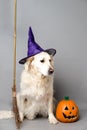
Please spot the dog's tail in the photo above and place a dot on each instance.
(6, 114)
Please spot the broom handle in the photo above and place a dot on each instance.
(14, 67)
(15, 107)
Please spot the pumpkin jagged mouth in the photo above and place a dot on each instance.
(69, 117)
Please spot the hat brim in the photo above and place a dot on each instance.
(49, 51)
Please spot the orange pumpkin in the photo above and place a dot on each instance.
(67, 111)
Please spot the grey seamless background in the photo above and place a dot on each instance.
(61, 24)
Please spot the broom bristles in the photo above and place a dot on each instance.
(6, 114)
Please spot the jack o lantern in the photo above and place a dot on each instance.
(67, 111)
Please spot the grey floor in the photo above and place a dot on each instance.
(43, 124)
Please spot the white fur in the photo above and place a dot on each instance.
(36, 88)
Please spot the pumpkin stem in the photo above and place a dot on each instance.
(66, 98)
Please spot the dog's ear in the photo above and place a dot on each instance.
(28, 63)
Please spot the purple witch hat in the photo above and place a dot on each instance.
(34, 48)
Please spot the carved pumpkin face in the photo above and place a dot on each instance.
(67, 111)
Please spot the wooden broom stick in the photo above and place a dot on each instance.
(15, 107)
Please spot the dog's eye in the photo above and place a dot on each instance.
(49, 60)
(42, 61)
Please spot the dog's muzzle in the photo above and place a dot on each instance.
(51, 70)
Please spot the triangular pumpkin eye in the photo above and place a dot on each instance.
(66, 108)
(73, 108)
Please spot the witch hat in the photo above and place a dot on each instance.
(34, 48)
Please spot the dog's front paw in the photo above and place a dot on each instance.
(52, 119)
(21, 116)
(30, 116)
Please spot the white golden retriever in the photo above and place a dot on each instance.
(36, 88)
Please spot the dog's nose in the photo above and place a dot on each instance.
(51, 70)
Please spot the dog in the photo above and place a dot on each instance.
(36, 88)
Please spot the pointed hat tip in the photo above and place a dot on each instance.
(30, 29)
(30, 34)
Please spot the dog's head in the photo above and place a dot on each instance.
(40, 63)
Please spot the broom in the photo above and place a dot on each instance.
(15, 107)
